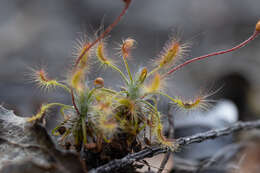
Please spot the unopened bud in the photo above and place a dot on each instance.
(127, 45)
(257, 27)
(99, 82)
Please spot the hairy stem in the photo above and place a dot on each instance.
(63, 86)
(128, 69)
(153, 71)
(84, 130)
(119, 71)
(74, 103)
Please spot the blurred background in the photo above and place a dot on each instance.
(36, 33)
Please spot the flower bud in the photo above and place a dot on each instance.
(257, 27)
(127, 45)
(99, 82)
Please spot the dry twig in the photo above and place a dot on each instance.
(197, 138)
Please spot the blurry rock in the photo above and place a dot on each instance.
(26, 148)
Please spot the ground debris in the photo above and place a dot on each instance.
(26, 148)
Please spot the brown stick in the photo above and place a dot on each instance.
(197, 138)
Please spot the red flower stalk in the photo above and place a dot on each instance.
(107, 31)
(252, 37)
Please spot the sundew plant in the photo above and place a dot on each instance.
(104, 120)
